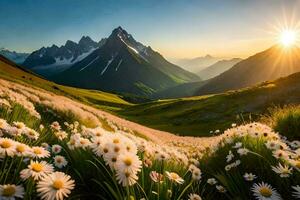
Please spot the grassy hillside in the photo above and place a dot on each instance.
(107, 101)
(198, 115)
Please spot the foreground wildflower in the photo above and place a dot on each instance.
(55, 186)
(284, 171)
(36, 170)
(249, 176)
(127, 167)
(156, 177)
(194, 197)
(56, 148)
(264, 191)
(296, 192)
(40, 152)
(10, 192)
(220, 188)
(174, 177)
(7, 147)
(60, 161)
(211, 181)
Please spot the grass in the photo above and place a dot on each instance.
(197, 116)
(107, 101)
(285, 120)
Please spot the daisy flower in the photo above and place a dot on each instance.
(55, 186)
(174, 177)
(36, 170)
(126, 177)
(243, 151)
(237, 145)
(296, 192)
(220, 188)
(39, 152)
(31, 134)
(196, 174)
(211, 181)
(194, 197)
(264, 191)
(229, 157)
(10, 192)
(284, 171)
(156, 177)
(22, 149)
(60, 161)
(7, 147)
(249, 176)
(56, 149)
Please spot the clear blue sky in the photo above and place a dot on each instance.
(176, 28)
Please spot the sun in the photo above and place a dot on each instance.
(288, 38)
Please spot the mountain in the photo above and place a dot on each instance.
(217, 68)
(179, 91)
(51, 60)
(270, 64)
(197, 64)
(14, 56)
(124, 65)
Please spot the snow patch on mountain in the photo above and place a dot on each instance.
(89, 64)
(107, 65)
(120, 62)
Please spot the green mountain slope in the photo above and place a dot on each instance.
(16, 73)
(199, 115)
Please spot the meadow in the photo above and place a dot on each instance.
(53, 147)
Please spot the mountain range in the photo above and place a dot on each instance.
(13, 55)
(197, 64)
(52, 60)
(270, 64)
(217, 68)
(124, 65)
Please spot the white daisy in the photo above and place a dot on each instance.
(194, 197)
(36, 170)
(11, 192)
(211, 181)
(229, 157)
(60, 161)
(156, 177)
(55, 186)
(249, 176)
(56, 149)
(39, 152)
(284, 171)
(296, 192)
(264, 191)
(220, 188)
(243, 151)
(174, 177)
(7, 147)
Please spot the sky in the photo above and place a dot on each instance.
(175, 28)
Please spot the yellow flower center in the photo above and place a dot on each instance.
(116, 140)
(20, 148)
(266, 192)
(128, 161)
(9, 191)
(6, 144)
(37, 167)
(37, 151)
(297, 164)
(58, 184)
(174, 176)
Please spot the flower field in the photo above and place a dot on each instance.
(52, 147)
